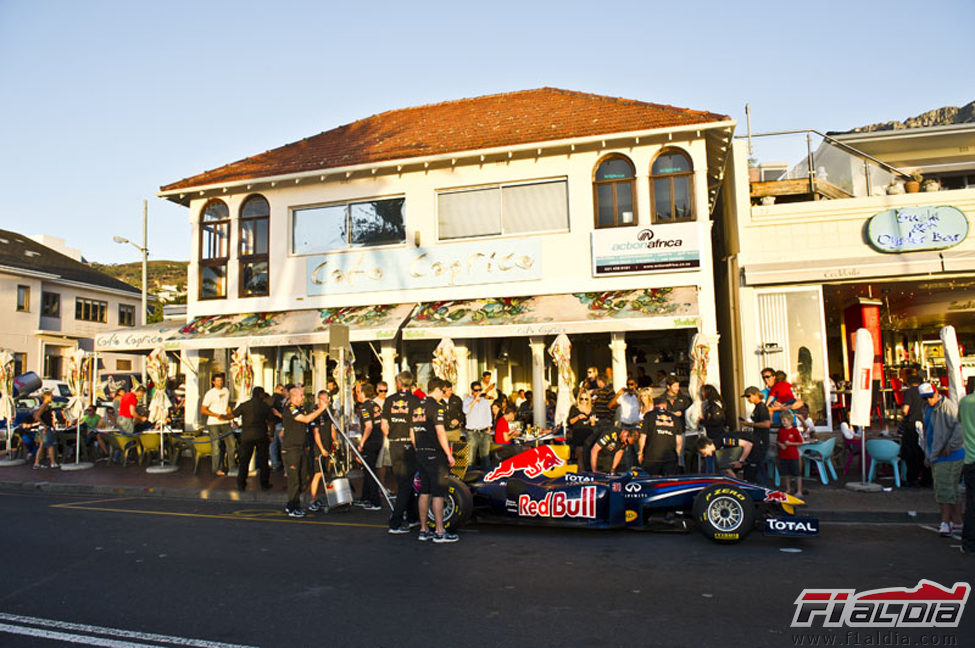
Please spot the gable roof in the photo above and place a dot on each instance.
(18, 251)
(527, 116)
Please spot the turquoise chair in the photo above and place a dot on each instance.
(884, 451)
(821, 454)
(772, 469)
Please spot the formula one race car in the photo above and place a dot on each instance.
(539, 487)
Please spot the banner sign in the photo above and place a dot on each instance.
(658, 248)
(456, 264)
(910, 229)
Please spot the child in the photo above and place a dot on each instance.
(781, 392)
(789, 439)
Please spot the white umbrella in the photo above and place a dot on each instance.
(861, 400)
(445, 360)
(952, 363)
(8, 410)
(561, 352)
(157, 367)
(78, 367)
(704, 360)
(242, 373)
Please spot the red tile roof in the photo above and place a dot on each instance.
(512, 118)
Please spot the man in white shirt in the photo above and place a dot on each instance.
(216, 407)
(627, 406)
(477, 411)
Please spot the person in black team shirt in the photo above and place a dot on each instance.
(397, 423)
(295, 419)
(760, 423)
(661, 442)
(371, 442)
(616, 442)
(433, 458)
(256, 416)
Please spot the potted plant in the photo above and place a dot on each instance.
(931, 184)
(914, 184)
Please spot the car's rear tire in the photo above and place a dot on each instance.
(458, 504)
(724, 513)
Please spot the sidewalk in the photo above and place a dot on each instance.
(832, 503)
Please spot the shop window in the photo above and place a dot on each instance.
(503, 209)
(126, 315)
(23, 298)
(671, 179)
(356, 224)
(123, 365)
(20, 363)
(90, 310)
(50, 304)
(613, 190)
(214, 250)
(255, 216)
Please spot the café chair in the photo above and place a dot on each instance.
(202, 447)
(820, 454)
(125, 444)
(853, 445)
(884, 451)
(149, 443)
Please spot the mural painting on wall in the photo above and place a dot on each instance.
(475, 311)
(629, 303)
(355, 316)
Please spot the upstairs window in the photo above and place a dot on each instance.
(613, 189)
(50, 304)
(90, 310)
(214, 249)
(505, 209)
(126, 315)
(315, 230)
(255, 215)
(23, 298)
(670, 180)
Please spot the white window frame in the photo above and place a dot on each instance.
(344, 203)
(501, 186)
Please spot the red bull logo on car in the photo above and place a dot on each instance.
(532, 463)
(558, 504)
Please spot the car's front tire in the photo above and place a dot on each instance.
(458, 505)
(724, 513)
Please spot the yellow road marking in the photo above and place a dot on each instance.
(237, 516)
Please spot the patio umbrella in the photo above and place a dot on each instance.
(952, 363)
(157, 367)
(445, 361)
(561, 352)
(861, 400)
(7, 407)
(242, 373)
(703, 357)
(78, 367)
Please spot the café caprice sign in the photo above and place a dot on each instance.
(912, 229)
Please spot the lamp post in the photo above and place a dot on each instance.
(145, 264)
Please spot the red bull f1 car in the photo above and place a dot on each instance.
(539, 487)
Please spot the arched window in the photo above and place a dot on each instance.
(214, 249)
(613, 192)
(671, 183)
(253, 247)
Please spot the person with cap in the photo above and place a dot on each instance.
(913, 417)
(760, 424)
(944, 451)
(255, 438)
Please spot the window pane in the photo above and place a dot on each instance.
(253, 236)
(377, 222)
(253, 279)
(216, 241)
(23, 298)
(319, 229)
(78, 308)
(255, 206)
(661, 201)
(214, 282)
(215, 211)
(604, 196)
(624, 203)
(614, 169)
(535, 208)
(671, 163)
(476, 212)
(682, 198)
(50, 304)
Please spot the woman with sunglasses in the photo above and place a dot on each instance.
(580, 422)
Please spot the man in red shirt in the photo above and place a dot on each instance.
(789, 439)
(127, 415)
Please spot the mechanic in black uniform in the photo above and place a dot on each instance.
(397, 422)
(661, 442)
(760, 423)
(255, 416)
(295, 419)
(616, 442)
(371, 442)
(433, 458)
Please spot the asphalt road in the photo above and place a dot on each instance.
(76, 571)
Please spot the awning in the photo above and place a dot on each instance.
(827, 270)
(623, 310)
(261, 329)
(958, 260)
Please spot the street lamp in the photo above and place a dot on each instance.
(145, 257)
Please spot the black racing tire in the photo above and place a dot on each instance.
(724, 513)
(458, 505)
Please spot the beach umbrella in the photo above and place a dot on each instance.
(561, 352)
(952, 363)
(8, 409)
(157, 367)
(78, 372)
(862, 399)
(704, 358)
(242, 373)
(445, 361)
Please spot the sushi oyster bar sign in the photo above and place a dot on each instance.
(912, 229)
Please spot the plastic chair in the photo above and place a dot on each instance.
(820, 454)
(884, 451)
(149, 443)
(125, 444)
(202, 447)
(852, 444)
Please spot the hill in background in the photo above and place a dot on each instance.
(163, 275)
(938, 117)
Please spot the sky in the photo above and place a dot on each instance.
(101, 101)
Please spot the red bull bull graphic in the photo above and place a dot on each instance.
(776, 496)
(559, 505)
(532, 463)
